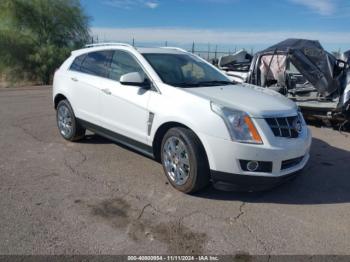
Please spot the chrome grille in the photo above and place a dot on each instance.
(284, 126)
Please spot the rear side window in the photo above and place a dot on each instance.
(123, 63)
(77, 63)
(97, 63)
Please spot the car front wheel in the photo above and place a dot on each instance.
(184, 160)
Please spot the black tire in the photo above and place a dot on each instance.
(77, 131)
(199, 172)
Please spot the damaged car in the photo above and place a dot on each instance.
(304, 72)
(236, 65)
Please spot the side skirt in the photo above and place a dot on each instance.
(126, 141)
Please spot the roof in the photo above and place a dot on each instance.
(293, 43)
(160, 50)
(142, 50)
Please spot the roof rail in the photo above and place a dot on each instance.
(175, 48)
(108, 44)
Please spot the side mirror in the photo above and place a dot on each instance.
(135, 79)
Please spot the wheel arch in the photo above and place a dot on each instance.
(58, 98)
(161, 131)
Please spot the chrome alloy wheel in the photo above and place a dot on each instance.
(64, 119)
(176, 160)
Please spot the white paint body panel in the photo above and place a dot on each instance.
(239, 77)
(126, 109)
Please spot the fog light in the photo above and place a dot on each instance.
(252, 166)
(256, 166)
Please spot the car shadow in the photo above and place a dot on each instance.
(325, 180)
(95, 139)
(91, 138)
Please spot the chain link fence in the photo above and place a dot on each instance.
(209, 52)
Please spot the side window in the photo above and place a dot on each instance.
(75, 66)
(123, 63)
(97, 63)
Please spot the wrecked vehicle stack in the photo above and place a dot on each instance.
(306, 73)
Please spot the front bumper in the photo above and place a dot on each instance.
(251, 183)
(224, 159)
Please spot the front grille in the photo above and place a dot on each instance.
(291, 162)
(284, 126)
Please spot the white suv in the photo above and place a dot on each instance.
(174, 106)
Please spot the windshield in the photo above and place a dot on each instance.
(184, 70)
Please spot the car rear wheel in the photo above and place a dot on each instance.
(69, 127)
(184, 160)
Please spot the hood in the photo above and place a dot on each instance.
(256, 101)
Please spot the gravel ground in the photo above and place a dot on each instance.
(96, 197)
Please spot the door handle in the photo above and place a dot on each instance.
(106, 91)
(74, 79)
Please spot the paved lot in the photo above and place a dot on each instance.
(96, 197)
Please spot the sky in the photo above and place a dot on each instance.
(250, 24)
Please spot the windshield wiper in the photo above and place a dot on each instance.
(215, 83)
(203, 83)
(184, 84)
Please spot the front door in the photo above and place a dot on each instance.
(125, 108)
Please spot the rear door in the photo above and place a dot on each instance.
(125, 108)
(88, 74)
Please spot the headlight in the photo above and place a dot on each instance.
(239, 124)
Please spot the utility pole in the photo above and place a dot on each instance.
(208, 51)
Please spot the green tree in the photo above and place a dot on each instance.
(36, 36)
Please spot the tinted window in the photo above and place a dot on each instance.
(185, 70)
(77, 63)
(97, 63)
(123, 63)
